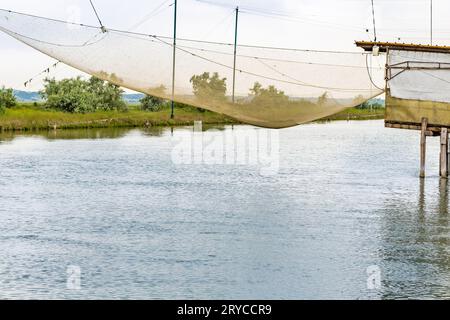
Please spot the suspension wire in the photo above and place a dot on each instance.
(150, 38)
(434, 76)
(304, 83)
(277, 15)
(262, 76)
(54, 65)
(84, 44)
(277, 59)
(242, 71)
(140, 35)
(98, 18)
(211, 30)
(239, 45)
(374, 24)
(279, 72)
(159, 9)
(154, 39)
(370, 75)
(46, 71)
(189, 40)
(301, 20)
(159, 38)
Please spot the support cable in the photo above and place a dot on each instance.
(435, 77)
(262, 76)
(370, 74)
(159, 9)
(46, 71)
(278, 59)
(98, 18)
(188, 40)
(211, 30)
(160, 39)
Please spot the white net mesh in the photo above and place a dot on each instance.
(274, 87)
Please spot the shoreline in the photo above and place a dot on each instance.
(26, 118)
(357, 114)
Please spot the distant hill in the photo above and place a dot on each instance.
(378, 101)
(31, 96)
(27, 96)
(132, 97)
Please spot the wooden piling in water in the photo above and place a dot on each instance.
(448, 158)
(443, 167)
(423, 146)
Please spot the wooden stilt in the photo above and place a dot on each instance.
(423, 146)
(448, 156)
(444, 153)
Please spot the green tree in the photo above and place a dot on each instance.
(81, 96)
(269, 96)
(108, 95)
(7, 99)
(154, 103)
(207, 87)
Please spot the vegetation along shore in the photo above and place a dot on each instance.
(76, 103)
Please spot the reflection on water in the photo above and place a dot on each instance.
(112, 203)
(77, 134)
(416, 244)
(92, 133)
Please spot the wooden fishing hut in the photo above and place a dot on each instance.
(417, 92)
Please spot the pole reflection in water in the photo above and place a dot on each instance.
(416, 243)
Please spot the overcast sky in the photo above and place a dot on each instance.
(311, 24)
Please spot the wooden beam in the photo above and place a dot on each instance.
(423, 146)
(432, 131)
(444, 154)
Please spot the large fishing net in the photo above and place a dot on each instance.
(273, 87)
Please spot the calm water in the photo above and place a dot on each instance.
(347, 196)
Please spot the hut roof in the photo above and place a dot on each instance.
(368, 46)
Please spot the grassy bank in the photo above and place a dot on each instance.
(357, 114)
(28, 117)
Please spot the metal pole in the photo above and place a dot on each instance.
(172, 115)
(235, 52)
(431, 22)
(374, 25)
